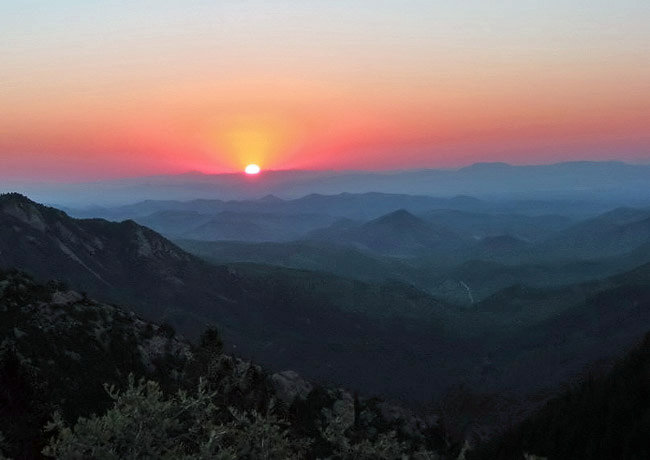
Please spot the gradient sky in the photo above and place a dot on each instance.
(98, 89)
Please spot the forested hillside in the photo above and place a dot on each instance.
(65, 357)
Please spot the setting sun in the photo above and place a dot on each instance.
(252, 169)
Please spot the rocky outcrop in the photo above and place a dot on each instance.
(288, 386)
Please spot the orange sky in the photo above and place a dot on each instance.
(107, 89)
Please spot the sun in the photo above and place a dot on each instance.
(252, 169)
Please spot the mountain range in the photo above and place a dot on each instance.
(262, 312)
(423, 304)
(363, 334)
(614, 182)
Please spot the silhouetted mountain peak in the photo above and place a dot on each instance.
(399, 233)
(25, 211)
(486, 166)
(103, 253)
(13, 197)
(270, 198)
(398, 219)
(624, 215)
(14, 200)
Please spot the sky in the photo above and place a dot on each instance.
(105, 89)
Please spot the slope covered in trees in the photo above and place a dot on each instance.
(606, 416)
(65, 357)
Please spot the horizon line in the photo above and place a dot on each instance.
(315, 171)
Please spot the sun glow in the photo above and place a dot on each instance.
(252, 169)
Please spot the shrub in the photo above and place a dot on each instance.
(167, 330)
(210, 339)
(143, 423)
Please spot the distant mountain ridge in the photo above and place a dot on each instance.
(397, 233)
(615, 232)
(583, 179)
(346, 205)
(289, 220)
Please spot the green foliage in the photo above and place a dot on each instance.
(386, 446)
(144, 423)
(57, 353)
(347, 445)
(57, 349)
(258, 436)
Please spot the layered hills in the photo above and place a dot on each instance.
(384, 335)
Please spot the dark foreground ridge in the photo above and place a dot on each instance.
(601, 417)
(59, 349)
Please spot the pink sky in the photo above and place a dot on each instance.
(108, 89)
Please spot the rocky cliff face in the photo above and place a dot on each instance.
(98, 253)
